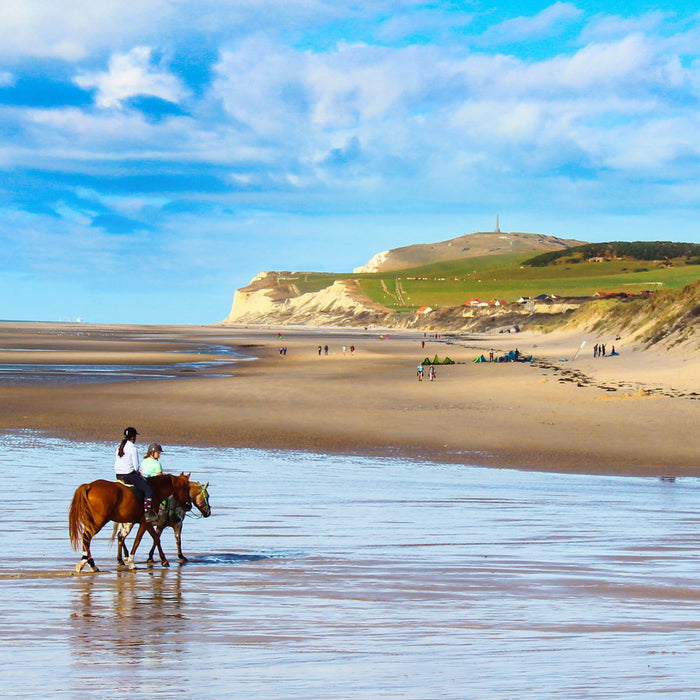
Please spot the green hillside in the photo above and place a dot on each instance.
(507, 278)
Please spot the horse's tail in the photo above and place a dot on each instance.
(80, 520)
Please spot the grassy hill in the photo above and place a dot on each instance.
(503, 277)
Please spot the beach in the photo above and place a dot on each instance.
(269, 388)
(367, 537)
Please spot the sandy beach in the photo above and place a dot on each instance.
(632, 414)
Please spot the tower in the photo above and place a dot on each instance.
(498, 229)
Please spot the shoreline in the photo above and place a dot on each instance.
(634, 414)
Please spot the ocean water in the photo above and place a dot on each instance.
(349, 577)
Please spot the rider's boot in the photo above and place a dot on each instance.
(149, 515)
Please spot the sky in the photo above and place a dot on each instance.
(155, 156)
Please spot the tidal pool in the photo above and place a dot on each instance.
(348, 577)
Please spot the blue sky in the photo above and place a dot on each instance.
(154, 156)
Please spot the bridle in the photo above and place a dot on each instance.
(201, 500)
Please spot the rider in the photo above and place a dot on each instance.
(151, 465)
(126, 466)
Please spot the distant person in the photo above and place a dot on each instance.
(352, 349)
(491, 355)
(419, 372)
(431, 373)
(325, 349)
(319, 350)
(422, 343)
(126, 467)
(595, 350)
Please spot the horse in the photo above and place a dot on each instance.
(174, 518)
(98, 502)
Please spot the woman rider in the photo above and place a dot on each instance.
(151, 465)
(126, 466)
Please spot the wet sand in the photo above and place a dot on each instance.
(634, 414)
(324, 576)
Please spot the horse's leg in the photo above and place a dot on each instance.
(177, 529)
(161, 554)
(123, 530)
(145, 527)
(87, 557)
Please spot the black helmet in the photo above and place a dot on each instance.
(130, 433)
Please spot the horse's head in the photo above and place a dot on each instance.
(200, 497)
(181, 490)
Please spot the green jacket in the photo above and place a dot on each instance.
(150, 467)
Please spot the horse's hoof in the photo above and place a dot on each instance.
(183, 560)
(149, 562)
(165, 562)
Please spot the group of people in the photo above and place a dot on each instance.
(599, 350)
(129, 469)
(431, 373)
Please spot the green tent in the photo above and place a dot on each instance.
(481, 358)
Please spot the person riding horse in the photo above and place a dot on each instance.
(126, 467)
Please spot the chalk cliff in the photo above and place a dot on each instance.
(273, 298)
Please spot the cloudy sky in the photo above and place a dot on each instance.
(154, 156)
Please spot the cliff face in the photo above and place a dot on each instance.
(270, 299)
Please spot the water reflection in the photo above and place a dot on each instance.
(136, 618)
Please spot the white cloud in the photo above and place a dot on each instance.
(72, 29)
(424, 21)
(543, 24)
(132, 74)
(611, 27)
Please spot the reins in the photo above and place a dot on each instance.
(199, 515)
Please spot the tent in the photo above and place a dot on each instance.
(481, 358)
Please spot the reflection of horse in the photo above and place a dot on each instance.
(198, 496)
(97, 503)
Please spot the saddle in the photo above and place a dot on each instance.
(134, 489)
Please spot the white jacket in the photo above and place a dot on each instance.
(129, 462)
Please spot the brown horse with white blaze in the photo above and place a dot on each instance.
(98, 502)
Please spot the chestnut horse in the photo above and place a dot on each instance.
(199, 496)
(98, 502)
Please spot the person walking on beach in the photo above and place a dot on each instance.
(419, 372)
(431, 373)
(126, 467)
